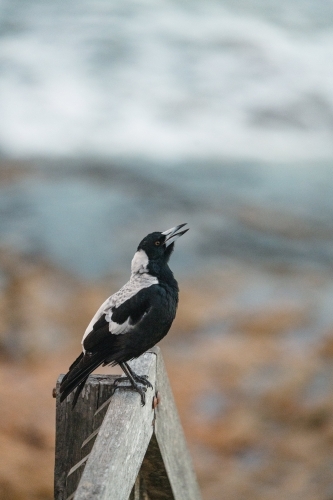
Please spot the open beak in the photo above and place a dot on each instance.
(172, 235)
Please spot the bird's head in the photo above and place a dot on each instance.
(155, 249)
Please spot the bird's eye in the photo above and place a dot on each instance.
(157, 243)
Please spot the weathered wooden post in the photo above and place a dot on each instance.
(115, 449)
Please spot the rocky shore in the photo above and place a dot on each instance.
(249, 357)
(252, 381)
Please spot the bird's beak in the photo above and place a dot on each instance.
(172, 235)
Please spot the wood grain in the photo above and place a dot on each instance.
(171, 440)
(120, 447)
(73, 427)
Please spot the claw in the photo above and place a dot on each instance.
(143, 380)
(143, 397)
(134, 380)
(141, 389)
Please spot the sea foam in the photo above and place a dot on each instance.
(170, 80)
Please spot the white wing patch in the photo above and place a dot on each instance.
(137, 282)
(117, 329)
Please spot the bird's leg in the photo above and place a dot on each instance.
(135, 384)
(138, 378)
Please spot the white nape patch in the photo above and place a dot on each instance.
(140, 262)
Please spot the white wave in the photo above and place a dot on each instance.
(163, 79)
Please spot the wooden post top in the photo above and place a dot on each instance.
(133, 441)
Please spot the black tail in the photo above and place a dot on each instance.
(78, 373)
(78, 391)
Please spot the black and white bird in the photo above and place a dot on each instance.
(133, 319)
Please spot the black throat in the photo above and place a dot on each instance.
(163, 273)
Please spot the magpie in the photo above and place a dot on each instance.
(133, 319)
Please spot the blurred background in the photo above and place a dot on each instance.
(123, 117)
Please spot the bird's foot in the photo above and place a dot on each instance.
(117, 381)
(143, 379)
(141, 390)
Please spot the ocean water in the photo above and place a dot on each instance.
(171, 80)
(88, 217)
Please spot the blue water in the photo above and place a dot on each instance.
(88, 217)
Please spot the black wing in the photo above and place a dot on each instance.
(101, 345)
